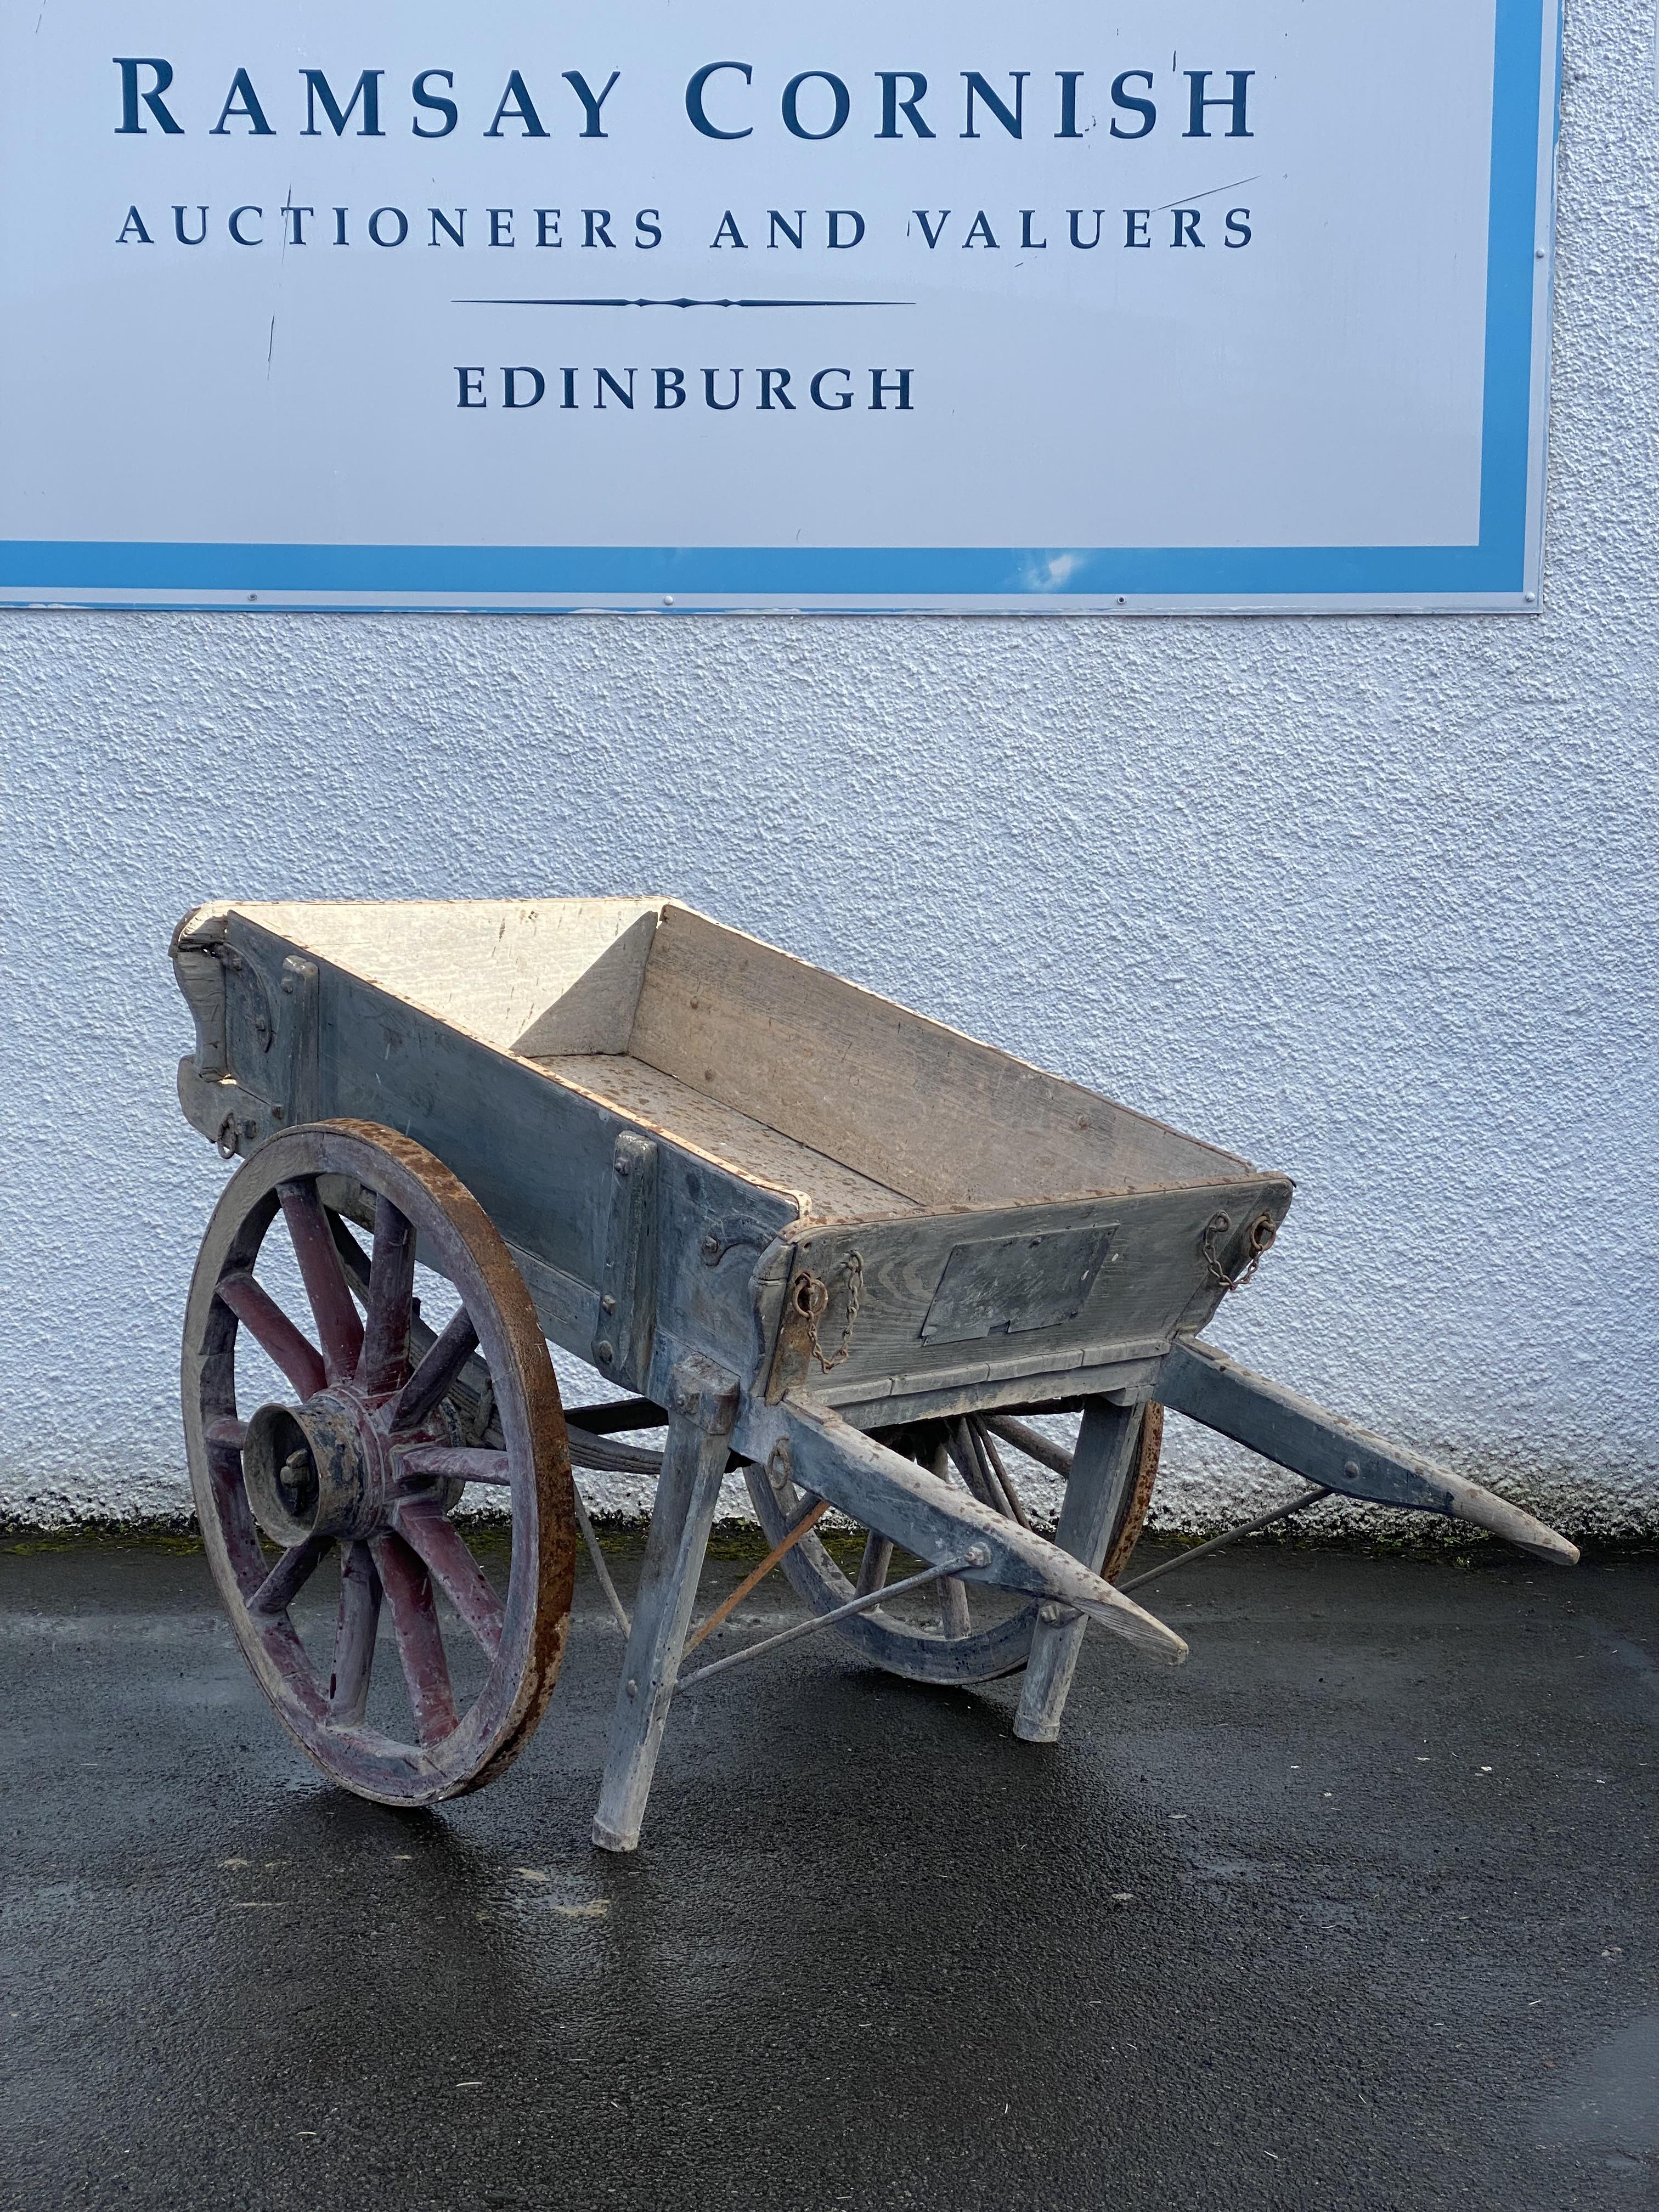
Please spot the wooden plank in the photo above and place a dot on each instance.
(702, 1405)
(914, 1105)
(294, 1074)
(1197, 1380)
(1062, 1390)
(1105, 1464)
(627, 1290)
(538, 1158)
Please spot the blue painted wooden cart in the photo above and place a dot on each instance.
(808, 1234)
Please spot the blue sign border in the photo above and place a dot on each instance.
(577, 575)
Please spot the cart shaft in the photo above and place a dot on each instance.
(1197, 1380)
(938, 1523)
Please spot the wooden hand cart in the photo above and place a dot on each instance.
(814, 1235)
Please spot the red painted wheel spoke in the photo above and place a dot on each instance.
(429, 1532)
(458, 1463)
(384, 1361)
(235, 1517)
(228, 1434)
(873, 1566)
(283, 1646)
(337, 1325)
(354, 1636)
(289, 1576)
(273, 1333)
(430, 1382)
(990, 1460)
(420, 1642)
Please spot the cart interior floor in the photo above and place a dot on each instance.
(833, 1191)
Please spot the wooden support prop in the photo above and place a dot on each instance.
(703, 1407)
(1197, 1380)
(1107, 1459)
(808, 1522)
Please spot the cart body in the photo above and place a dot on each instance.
(1012, 1237)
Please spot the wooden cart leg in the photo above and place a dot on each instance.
(703, 1407)
(1108, 1457)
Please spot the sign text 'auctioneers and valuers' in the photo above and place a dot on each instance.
(1197, 304)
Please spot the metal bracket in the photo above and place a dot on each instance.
(294, 1060)
(726, 1235)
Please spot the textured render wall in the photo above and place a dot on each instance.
(1373, 901)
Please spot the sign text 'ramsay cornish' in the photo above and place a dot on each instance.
(370, 307)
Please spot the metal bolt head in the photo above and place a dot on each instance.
(605, 1352)
(622, 1169)
(607, 1303)
(977, 1556)
(1050, 1612)
(779, 1464)
(1351, 1469)
(633, 1687)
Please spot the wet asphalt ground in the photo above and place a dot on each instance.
(1358, 1908)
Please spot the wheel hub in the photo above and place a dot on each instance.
(321, 1469)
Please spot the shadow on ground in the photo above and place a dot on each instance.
(1356, 1910)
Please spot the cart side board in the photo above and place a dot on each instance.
(598, 1204)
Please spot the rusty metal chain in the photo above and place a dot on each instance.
(1257, 1245)
(812, 1298)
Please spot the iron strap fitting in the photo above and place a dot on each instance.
(1258, 1242)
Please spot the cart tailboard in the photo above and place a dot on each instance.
(933, 1304)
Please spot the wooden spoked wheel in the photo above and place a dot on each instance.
(344, 1486)
(949, 1648)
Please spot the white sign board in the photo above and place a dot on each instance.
(1183, 304)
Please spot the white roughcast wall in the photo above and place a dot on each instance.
(1373, 901)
